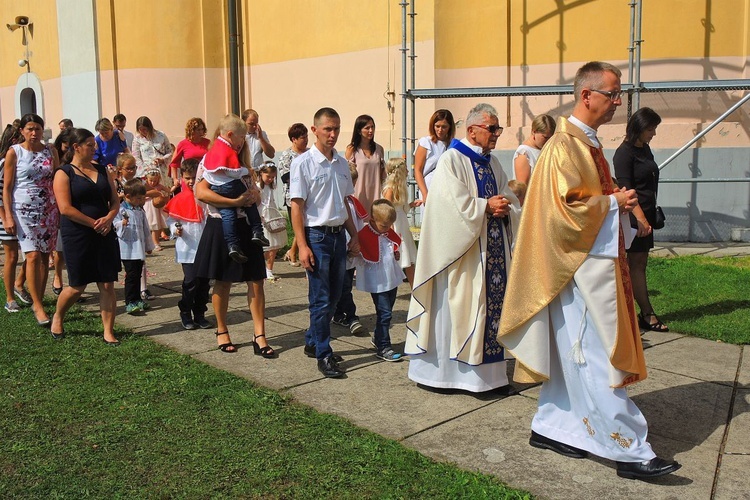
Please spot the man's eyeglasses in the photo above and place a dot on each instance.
(492, 129)
(613, 95)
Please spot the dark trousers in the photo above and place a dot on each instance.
(133, 270)
(346, 309)
(384, 302)
(234, 189)
(194, 293)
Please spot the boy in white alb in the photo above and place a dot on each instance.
(379, 272)
(135, 242)
(186, 223)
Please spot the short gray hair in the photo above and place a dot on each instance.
(590, 75)
(477, 113)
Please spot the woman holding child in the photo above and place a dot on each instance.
(212, 260)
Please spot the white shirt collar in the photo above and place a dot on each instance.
(476, 149)
(590, 132)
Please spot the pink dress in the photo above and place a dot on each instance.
(369, 178)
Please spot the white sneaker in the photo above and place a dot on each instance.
(357, 328)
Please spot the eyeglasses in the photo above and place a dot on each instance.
(614, 95)
(492, 129)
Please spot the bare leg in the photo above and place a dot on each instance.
(108, 308)
(293, 250)
(10, 249)
(57, 280)
(155, 237)
(37, 270)
(21, 274)
(270, 256)
(65, 301)
(220, 302)
(256, 301)
(637, 262)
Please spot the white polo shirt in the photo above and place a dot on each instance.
(323, 185)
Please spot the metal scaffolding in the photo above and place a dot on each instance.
(633, 88)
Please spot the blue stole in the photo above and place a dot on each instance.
(495, 273)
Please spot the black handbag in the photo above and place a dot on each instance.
(660, 218)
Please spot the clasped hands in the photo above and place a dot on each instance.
(498, 206)
(626, 199)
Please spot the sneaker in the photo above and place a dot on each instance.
(260, 239)
(132, 308)
(147, 295)
(357, 328)
(12, 306)
(340, 320)
(388, 354)
(187, 321)
(236, 254)
(372, 342)
(144, 305)
(203, 323)
(23, 295)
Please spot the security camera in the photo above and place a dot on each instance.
(22, 20)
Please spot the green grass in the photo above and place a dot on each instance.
(702, 296)
(81, 419)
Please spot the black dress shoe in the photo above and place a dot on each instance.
(310, 353)
(329, 368)
(645, 470)
(539, 441)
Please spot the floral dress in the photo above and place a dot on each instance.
(34, 206)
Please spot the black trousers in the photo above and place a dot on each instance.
(133, 271)
(194, 293)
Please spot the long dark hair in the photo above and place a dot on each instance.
(63, 138)
(77, 136)
(360, 123)
(641, 120)
(11, 135)
(31, 117)
(439, 115)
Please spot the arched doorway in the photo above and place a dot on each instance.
(28, 101)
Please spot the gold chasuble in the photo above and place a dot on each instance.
(567, 202)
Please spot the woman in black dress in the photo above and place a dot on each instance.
(88, 203)
(212, 261)
(635, 168)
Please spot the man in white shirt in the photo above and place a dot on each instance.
(257, 140)
(319, 183)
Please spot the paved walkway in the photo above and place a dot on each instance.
(696, 398)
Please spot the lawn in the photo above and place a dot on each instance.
(81, 419)
(702, 296)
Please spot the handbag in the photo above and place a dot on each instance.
(273, 221)
(660, 218)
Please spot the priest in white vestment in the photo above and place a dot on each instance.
(569, 316)
(462, 265)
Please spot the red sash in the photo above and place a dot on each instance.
(359, 208)
(183, 206)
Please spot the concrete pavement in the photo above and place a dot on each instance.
(696, 399)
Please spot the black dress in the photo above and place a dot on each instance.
(635, 168)
(89, 256)
(212, 259)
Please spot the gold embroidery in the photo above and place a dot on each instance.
(622, 441)
(588, 427)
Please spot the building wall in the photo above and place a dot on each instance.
(169, 60)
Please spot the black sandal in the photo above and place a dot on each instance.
(267, 352)
(654, 327)
(227, 347)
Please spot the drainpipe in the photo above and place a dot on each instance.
(234, 74)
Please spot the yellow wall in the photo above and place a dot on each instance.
(43, 44)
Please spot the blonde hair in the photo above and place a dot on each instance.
(396, 180)
(518, 188)
(232, 123)
(383, 211)
(122, 158)
(353, 171)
